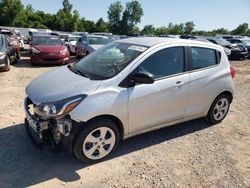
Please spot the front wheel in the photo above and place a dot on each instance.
(219, 109)
(7, 67)
(96, 140)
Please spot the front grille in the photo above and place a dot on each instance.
(50, 53)
(51, 59)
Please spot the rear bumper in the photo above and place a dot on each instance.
(239, 55)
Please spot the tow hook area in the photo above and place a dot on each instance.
(62, 128)
(50, 132)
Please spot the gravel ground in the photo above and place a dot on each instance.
(191, 154)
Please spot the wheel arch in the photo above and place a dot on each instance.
(228, 93)
(115, 119)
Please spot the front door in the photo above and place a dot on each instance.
(151, 105)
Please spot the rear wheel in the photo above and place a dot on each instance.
(219, 109)
(96, 140)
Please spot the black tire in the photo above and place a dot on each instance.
(70, 53)
(8, 62)
(18, 55)
(211, 113)
(86, 130)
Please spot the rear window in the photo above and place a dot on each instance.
(203, 57)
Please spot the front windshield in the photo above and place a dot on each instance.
(98, 40)
(109, 60)
(246, 42)
(223, 42)
(46, 41)
(73, 39)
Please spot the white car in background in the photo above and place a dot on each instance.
(20, 39)
(70, 42)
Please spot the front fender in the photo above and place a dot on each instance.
(111, 101)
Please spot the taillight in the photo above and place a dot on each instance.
(232, 71)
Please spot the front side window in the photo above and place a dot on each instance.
(202, 57)
(165, 62)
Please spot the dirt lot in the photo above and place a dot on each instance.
(191, 154)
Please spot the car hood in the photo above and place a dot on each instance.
(49, 48)
(96, 46)
(58, 84)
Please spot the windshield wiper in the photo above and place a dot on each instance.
(78, 72)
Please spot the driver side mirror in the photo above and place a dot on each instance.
(142, 78)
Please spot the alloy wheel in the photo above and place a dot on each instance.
(220, 109)
(99, 143)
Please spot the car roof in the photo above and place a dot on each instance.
(152, 41)
(97, 36)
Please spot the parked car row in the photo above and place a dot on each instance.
(52, 49)
(7, 53)
(236, 48)
(10, 48)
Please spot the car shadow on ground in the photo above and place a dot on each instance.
(22, 165)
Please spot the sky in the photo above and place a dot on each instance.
(206, 14)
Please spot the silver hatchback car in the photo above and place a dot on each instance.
(126, 88)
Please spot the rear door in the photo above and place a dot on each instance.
(204, 72)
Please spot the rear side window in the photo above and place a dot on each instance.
(203, 57)
(165, 62)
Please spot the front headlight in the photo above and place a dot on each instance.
(2, 55)
(58, 108)
(34, 50)
(64, 50)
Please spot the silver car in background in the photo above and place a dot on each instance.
(87, 44)
(127, 88)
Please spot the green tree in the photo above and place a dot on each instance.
(175, 29)
(161, 31)
(148, 29)
(131, 16)
(124, 23)
(114, 16)
(189, 27)
(242, 29)
(9, 11)
(102, 26)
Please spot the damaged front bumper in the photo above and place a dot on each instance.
(53, 131)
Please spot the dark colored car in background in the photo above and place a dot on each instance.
(238, 52)
(241, 41)
(13, 39)
(7, 53)
(47, 49)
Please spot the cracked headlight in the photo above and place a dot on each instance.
(58, 108)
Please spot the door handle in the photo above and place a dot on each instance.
(179, 84)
